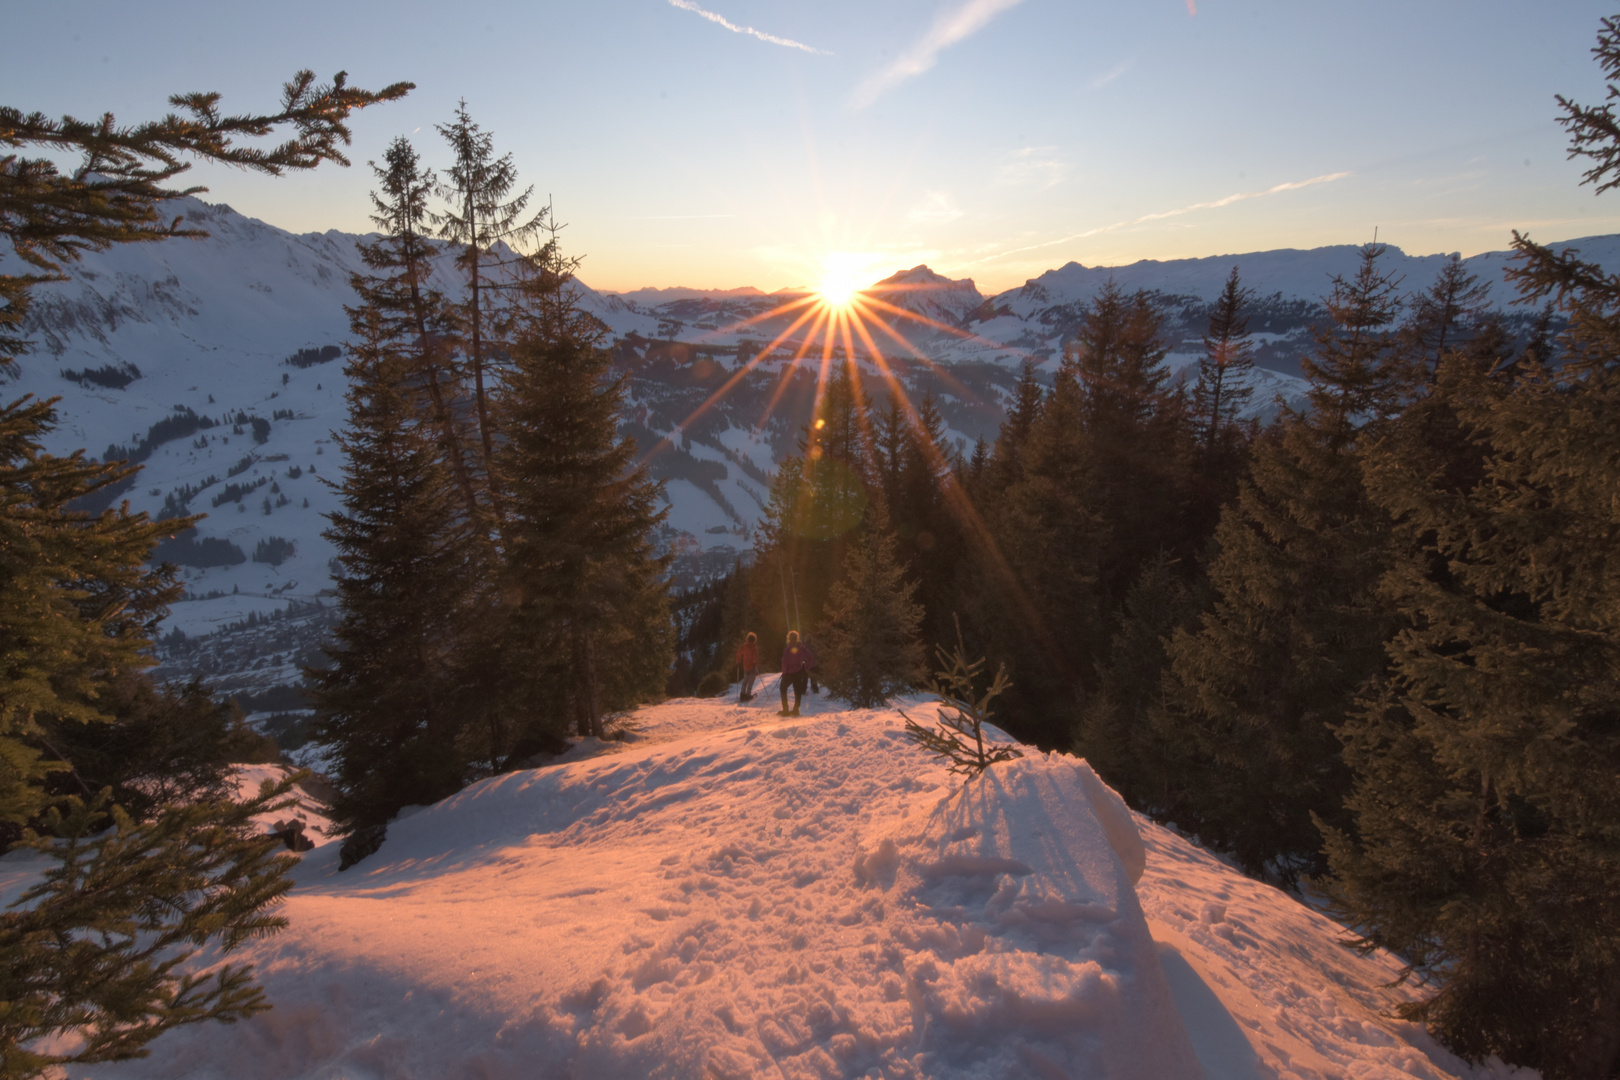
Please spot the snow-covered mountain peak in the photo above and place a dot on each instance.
(929, 294)
(650, 297)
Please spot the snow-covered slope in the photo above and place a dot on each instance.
(733, 894)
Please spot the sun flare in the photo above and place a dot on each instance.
(848, 320)
(839, 284)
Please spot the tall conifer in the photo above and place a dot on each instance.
(77, 607)
(871, 647)
(415, 326)
(481, 215)
(1295, 631)
(77, 602)
(1050, 622)
(819, 501)
(389, 703)
(1484, 803)
(1137, 443)
(587, 625)
(1486, 814)
(1225, 369)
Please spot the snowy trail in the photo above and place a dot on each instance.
(734, 894)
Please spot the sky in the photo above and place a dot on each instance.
(728, 143)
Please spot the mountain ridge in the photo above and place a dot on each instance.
(233, 340)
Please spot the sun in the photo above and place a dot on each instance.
(838, 286)
(844, 276)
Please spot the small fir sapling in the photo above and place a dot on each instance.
(959, 738)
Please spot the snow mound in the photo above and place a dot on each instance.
(1035, 956)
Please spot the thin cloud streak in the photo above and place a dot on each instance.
(1032, 166)
(721, 20)
(1111, 74)
(1289, 185)
(949, 28)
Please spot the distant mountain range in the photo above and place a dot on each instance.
(217, 363)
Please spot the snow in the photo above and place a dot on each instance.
(730, 893)
(1266, 986)
(1294, 273)
(306, 807)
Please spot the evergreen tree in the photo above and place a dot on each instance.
(1295, 631)
(1225, 369)
(1136, 451)
(871, 645)
(1089, 482)
(918, 488)
(1123, 729)
(162, 746)
(1118, 354)
(587, 629)
(415, 325)
(1442, 319)
(779, 549)
(483, 215)
(389, 702)
(978, 463)
(818, 504)
(1007, 461)
(1040, 611)
(889, 448)
(959, 738)
(1484, 805)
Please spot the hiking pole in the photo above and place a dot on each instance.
(787, 616)
(797, 618)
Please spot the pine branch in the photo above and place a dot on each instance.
(113, 195)
(1593, 130)
(94, 950)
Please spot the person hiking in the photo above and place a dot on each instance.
(797, 660)
(748, 660)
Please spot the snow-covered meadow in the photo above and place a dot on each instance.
(730, 893)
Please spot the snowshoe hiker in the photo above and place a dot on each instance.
(748, 660)
(797, 660)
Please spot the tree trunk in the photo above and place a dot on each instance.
(485, 438)
(441, 412)
(452, 445)
(592, 698)
(580, 696)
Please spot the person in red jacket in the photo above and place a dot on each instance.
(797, 660)
(748, 660)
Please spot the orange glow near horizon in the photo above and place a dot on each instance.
(839, 317)
(836, 323)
